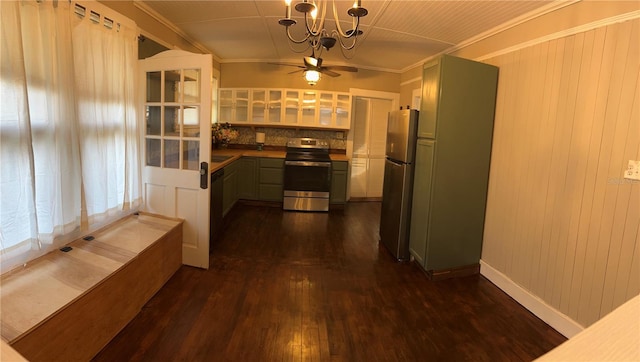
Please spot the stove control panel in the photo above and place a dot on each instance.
(307, 143)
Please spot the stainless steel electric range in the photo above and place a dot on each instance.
(307, 175)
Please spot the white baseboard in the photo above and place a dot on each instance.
(553, 317)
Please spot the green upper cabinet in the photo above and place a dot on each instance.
(429, 100)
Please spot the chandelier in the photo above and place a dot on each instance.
(316, 36)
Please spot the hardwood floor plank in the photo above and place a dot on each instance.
(289, 286)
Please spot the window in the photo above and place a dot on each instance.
(67, 126)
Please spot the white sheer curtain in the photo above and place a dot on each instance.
(67, 127)
(40, 180)
(105, 60)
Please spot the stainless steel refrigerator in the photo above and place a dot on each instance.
(395, 215)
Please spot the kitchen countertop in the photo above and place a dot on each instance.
(235, 154)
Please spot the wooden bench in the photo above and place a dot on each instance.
(69, 305)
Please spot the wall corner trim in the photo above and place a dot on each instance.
(553, 317)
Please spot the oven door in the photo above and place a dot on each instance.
(307, 185)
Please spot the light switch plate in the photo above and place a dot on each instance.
(633, 171)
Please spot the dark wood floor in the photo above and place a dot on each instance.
(318, 287)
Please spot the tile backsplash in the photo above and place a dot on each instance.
(279, 136)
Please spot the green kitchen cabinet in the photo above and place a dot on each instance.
(453, 154)
(247, 178)
(270, 179)
(339, 178)
(230, 187)
(421, 197)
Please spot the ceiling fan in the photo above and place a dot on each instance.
(313, 67)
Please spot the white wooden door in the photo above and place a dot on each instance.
(369, 143)
(176, 103)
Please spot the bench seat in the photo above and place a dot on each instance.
(69, 305)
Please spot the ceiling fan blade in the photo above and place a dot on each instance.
(311, 62)
(288, 65)
(296, 71)
(344, 68)
(329, 73)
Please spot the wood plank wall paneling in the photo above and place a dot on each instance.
(561, 221)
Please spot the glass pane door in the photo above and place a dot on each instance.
(172, 119)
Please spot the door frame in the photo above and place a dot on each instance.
(365, 93)
(195, 246)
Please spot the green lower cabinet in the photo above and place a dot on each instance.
(270, 179)
(339, 178)
(262, 178)
(247, 178)
(421, 197)
(230, 187)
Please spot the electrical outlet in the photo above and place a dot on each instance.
(339, 135)
(633, 171)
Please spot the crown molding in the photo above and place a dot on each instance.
(164, 21)
(498, 29)
(412, 80)
(564, 33)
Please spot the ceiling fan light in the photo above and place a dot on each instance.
(312, 76)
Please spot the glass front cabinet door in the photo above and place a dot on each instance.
(334, 110)
(326, 106)
(309, 108)
(291, 106)
(258, 105)
(234, 106)
(286, 107)
(266, 106)
(273, 113)
(343, 111)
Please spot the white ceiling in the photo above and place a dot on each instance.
(398, 34)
